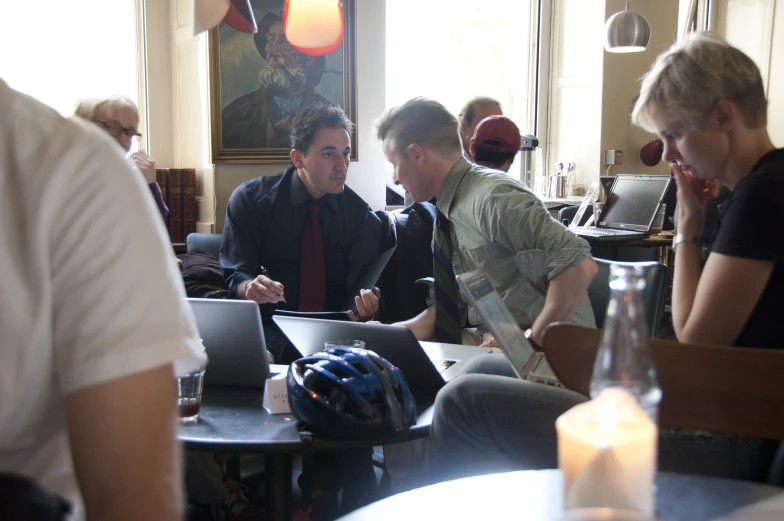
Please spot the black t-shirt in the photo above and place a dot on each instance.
(751, 225)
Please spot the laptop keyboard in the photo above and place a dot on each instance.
(608, 231)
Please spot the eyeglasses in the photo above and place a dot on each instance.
(115, 129)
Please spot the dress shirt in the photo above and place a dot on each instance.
(500, 225)
(265, 220)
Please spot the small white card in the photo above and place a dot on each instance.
(276, 395)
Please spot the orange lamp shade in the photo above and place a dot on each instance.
(313, 27)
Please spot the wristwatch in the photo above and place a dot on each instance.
(529, 336)
(682, 237)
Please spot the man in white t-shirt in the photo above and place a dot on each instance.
(92, 321)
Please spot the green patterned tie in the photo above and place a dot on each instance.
(448, 327)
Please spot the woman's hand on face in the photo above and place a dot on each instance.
(146, 164)
(692, 195)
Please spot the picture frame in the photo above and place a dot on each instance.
(252, 102)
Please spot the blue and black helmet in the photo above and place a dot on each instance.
(350, 393)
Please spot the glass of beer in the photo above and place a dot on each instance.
(189, 387)
(658, 221)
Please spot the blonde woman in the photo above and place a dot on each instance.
(706, 100)
(119, 117)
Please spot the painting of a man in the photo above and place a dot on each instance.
(288, 80)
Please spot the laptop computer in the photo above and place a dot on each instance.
(607, 182)
(397, 344)
(367, 278)
(630, 208)
(234, 341)
(527, 363)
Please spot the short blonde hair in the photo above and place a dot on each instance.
(112, 107)
(422, 121)
(687, 80)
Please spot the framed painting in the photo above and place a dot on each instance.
(258, 82)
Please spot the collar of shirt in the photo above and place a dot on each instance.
(448, 190)
(298, 194)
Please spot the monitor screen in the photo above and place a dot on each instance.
(633, 202)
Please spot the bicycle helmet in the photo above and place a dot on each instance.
(350, 393)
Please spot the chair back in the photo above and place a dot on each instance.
(412, 231)
(652, 296)
(209, 242)
(567, 213)
(731, 390)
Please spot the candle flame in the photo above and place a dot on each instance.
(608, 415)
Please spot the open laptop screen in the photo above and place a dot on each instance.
(633, 202)
(497, 318)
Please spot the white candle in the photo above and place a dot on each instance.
(607, 453)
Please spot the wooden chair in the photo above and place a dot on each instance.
(730, 390)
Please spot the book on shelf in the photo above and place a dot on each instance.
(162, 177)
(188, 202)
(175, 192)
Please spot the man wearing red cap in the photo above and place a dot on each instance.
(495, 143)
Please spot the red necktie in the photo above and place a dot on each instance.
(312, 281)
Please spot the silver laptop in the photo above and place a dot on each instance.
(234, 341)
(397, 344)
(527, 363)
(630, 208)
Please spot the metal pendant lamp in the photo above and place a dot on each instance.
(626, 31)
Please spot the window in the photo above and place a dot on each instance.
(60, 51)
(453, 50)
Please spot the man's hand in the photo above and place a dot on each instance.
(367, 305)
(146, 164)
(263, 290)
(488, 340)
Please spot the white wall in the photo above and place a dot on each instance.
(575, 92)
(776, 79)
(366, 176)
(621, 83)
(592, 90)
(765, 45)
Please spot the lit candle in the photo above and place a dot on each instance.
(607, 453)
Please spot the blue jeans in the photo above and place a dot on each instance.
(486, 423)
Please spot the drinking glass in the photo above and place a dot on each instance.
(597, 212)
(189, 388)
(359, 344)
(658, 221)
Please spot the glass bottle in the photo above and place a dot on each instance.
(624, 358)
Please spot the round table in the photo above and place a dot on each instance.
(538, 496)
(232, 420)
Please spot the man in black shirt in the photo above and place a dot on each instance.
(297, 240)
(267, 219)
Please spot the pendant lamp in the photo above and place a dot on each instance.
(626, 31)
(237, 14)
(313, 27)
